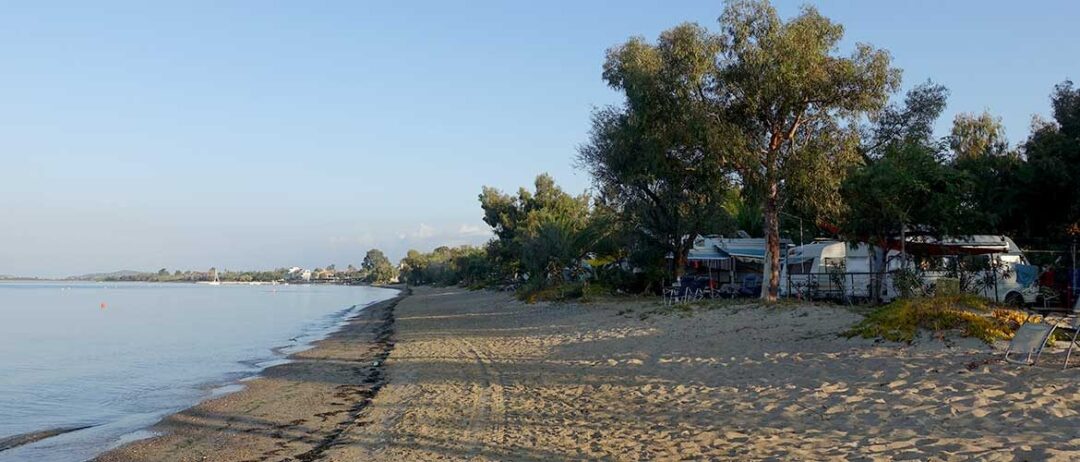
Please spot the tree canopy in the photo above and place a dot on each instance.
(539, 234)
(652, 158)
(377, 268)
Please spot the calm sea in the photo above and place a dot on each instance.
(120, 356)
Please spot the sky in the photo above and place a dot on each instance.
(262, 134)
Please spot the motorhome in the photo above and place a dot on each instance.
(992, 266)
(826, 269)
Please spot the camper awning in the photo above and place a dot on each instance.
(744, 254)
(976, 244)
(707, 258)
(933, 247)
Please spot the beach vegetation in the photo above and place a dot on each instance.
(967, 315)
(544, 237)
(532, 228)
(448, 266)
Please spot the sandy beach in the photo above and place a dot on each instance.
(292, 412)
(481, 376)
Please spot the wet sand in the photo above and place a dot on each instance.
(481, 376)
(294, 411)
(27, 438)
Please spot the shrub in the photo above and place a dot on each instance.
(973, 316)
(533, 292)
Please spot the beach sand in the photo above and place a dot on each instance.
(481, 376)
(292, 412)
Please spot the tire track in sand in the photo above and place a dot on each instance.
(487, 422)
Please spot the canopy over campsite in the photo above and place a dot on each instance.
(727, 266)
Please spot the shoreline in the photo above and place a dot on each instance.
(253, 422)
(22, 439)
(452, 374)
(73, 428)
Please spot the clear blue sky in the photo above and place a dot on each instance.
(260, 134)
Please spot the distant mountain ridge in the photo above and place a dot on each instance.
(8, 277)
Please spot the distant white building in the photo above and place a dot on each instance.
(297, 273)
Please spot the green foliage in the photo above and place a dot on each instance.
(664, 189)
(543, 235)
(782, 95)
(446, 266)
(745, 212)
(763, 98)
(509, 217)
(909, 123)
(908, 282)
(994, 192)
(556, 237)
(532, 292)
(972, 316)
(975, 136)
(1050, 179)
(376, 268)
(198, 276)
(907, 185)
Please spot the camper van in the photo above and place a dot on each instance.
(826, 269)
(1014, 282)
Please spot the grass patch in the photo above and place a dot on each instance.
(972, 316)
(682, 310)
(568, 291)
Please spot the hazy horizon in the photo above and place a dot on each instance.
(253, 136)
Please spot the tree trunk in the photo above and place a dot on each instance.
(679, 263)
(877, 270)
(770, 284)
(679, 257)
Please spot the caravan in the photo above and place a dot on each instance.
(826, 269)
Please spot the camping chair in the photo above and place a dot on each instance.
(671, 294)
(1029, 341)
(1075, 328)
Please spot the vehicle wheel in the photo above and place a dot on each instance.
(1014, 300)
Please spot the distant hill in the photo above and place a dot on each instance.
(101, 276)
(8, 277)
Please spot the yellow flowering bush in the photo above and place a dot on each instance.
(972, 316)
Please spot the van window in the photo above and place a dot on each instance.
(833, 263)
(802, 267)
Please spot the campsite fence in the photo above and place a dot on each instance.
(850, 287)
(856, 287)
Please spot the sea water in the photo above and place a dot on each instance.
(120, 356)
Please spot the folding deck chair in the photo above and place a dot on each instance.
(1029, 342)
(1075, 327)
(1032, 337)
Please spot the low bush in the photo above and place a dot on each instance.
(972, 316)
(565, 291)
